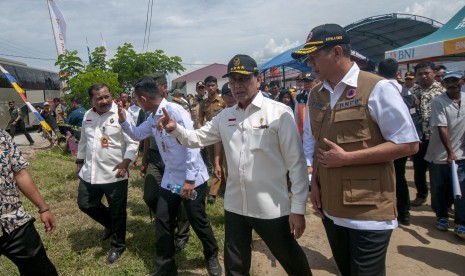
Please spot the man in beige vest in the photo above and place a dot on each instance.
(360, 125)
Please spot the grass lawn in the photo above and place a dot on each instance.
(76, 249)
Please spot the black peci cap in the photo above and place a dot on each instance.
(242, 64)
(320, 36)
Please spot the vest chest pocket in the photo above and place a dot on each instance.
(351, 125)
(316, 120)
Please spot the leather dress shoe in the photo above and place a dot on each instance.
(418, 201)
(106, 234)
(213, 266)
(113, 256)
(179, 245)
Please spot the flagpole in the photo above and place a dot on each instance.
(53, 30)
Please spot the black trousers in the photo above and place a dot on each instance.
(112, 217)
(20, 127)
(276, 233)
(152, 182)
(24, 248)
(402, 193)
(167, 208)
(358, 252)
(420, 166)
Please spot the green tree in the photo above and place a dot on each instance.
(131, 66)
(70, 65)
(98, 59)
(81, 83)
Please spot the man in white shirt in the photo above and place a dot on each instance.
(183, 167)
(359, 125)
(104, 154)
(261, 143)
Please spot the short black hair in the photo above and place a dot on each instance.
(440, 67)
(55, 100)
(11, 102)
(263, 85)
(75, 100)
(274, 83)
(425, 64)
(387, 68)
(123, 92)
(210, 79)
(148, 87)
(96, 87)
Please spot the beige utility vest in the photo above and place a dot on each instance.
(360, 192)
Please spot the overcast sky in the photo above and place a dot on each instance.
(199, 31)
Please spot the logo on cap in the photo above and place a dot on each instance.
(308, 75)
(236, 61)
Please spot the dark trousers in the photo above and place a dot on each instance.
(112, 217)
(20, 127)
(24, 248)
(153, 177)
(442, 191)
(420, 166)
(358, 252)
(167, 208)
(402, 193)
(276, 233)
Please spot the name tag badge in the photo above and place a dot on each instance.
(104, 141)
(413, 110)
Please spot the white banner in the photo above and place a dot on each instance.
(58, 26)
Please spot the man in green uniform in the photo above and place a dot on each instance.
(17, 123)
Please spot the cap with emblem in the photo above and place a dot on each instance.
(453, 74)
(243, 65)
(307, 76)
(225, 89)
(400, 79)
(200, 84)
(158, 77)
(320, 36)
(409, 75)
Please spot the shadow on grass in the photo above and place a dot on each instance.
(316, 260)
(83, 240)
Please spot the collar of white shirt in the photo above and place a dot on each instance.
(351, 78)
(159, 112)
(257, 101)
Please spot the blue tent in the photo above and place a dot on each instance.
(285, 59)
(447, 43)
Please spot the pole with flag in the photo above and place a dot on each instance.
(104, 45)
(88, 52)
(58, 26)
(21, 93)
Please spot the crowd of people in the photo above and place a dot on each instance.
(342, 140)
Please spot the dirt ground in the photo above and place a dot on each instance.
(418, 249)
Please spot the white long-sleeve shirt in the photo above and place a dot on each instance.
(100, 161)
(388, 110)
(261, 144)
(180, 163)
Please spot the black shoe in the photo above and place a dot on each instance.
(179, 245)
(106, 234)
(214, 267)
(418, 201)
(113, 256)
(165, 273)
(31, 143)
(211, 199)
